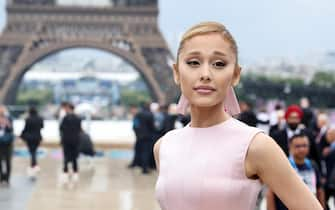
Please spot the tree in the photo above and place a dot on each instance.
(323, 79)
(34, 97)
(134, 98)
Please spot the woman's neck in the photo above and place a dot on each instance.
(207, 116)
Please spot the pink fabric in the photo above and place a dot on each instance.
(230, 103)
(203, 168)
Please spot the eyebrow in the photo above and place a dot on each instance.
(215, 53)
(194, 53)
(219, 53)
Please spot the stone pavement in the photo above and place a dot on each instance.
(17, 195)
(109, 185)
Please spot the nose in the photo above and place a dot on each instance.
(205, 73)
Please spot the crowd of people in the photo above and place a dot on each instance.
(305, 135)
(150, 122)
(73, 141)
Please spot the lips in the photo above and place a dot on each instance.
(204, 89)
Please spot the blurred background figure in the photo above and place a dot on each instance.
(174, 118)
(86, 145)
(6, 146)
(136, 161)
(144, 127)
(308, 115)
(248, 116)
(322, 124)
(327, 148)
(160, 114)
(31, 135)
(293, 117)
(169, 120)
(263, 118)
(306, 169)
(184, 119)
(165, 118)
(70, 139)
(164, 122)
(62, 111)
(276, 118)
(86, 148)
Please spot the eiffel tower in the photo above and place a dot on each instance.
(127, 28)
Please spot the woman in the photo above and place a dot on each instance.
(31, 134)
(6, 146)
(218, 162)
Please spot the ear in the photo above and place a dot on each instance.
(236, 75)
(176, 74)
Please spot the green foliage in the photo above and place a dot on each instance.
(134, 97)
(290, 90)
(276, 79)
(323, 79)
(34, 97)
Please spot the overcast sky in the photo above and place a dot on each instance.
(262, 28)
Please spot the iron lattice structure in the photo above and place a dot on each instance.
(127, 28)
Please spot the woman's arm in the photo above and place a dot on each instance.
(270, 200)
(321, 197)
(266, 160)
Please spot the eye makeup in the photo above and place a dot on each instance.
(193, 63)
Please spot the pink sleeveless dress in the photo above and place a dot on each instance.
(203, 168)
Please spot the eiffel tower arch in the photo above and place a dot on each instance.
(126, 28)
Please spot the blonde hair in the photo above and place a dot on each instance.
(206, 28)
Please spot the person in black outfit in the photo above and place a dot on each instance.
(70, 129)
(164, 122)
(308, 118)
(327, 148)
(86, 145)
(184, 119)
(274, 119)
(6, 146)
(293, 118)
(167, 124)
(31, 134)
(136, 159)
(144, 130)
(169, 121)
(247, 115)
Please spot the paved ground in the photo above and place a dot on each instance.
(107, 186)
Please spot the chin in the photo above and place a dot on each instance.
(302, 156)
(205, 103)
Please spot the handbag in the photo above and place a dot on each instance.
(6, 138)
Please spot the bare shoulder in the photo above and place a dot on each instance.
(263, 152)
(262, 144)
